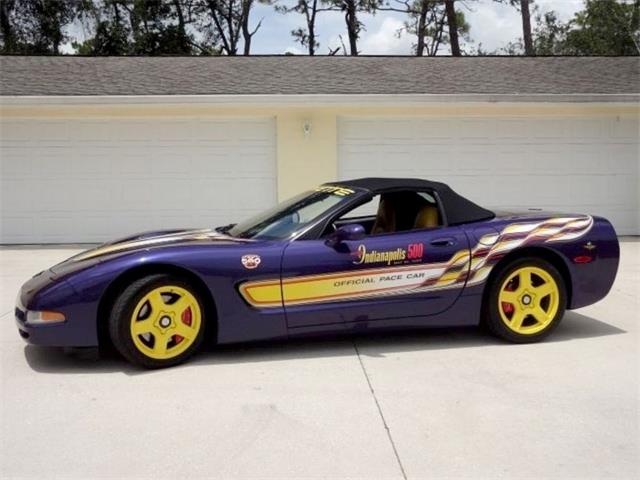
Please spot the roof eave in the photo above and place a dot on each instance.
(319, 99)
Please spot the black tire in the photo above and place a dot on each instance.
(122, 312)
(491, 314)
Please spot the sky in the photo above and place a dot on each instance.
(492, 24)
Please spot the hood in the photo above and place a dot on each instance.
(147, 240)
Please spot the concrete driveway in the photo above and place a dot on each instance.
(433, 404)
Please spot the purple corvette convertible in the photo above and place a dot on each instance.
(366, 254)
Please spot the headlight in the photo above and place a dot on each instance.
(44, 317)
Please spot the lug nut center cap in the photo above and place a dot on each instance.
(165, 322)
(526, 299)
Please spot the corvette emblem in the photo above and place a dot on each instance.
(251, 261)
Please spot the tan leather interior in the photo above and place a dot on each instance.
(427, 217)
(385, 218)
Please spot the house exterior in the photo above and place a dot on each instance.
(93, 148)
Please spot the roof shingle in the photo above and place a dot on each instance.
(300, 75)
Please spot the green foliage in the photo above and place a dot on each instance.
(550, 36)
(110, 38)
(34, 26)
(136, 27)
(604, 27)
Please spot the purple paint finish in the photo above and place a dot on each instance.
(77, 286)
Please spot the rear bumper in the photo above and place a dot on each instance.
(592, 281)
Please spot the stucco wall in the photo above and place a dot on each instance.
(306, 150)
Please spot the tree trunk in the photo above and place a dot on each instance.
(526, 27)
(312, 40)
(181, 22)
(213, 7)
(246, 33)
(422, 25)
(311, 26)
(352, 26)
(452, 21)
(437, 39)
(233, 36)
(247, 41)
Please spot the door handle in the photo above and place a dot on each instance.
(443, 242)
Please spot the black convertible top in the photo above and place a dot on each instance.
(456, 208)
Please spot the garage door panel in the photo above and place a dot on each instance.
(92, 132)
(623, 128)
(571, 164)
(19, 225)
(591, 130)
(77, 180)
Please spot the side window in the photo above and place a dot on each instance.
(369, 209)
(392, 212)
(428, 197)
(364, 214)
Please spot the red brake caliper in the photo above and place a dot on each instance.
(507, 308)
(186, 319)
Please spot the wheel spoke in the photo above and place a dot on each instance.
(160, 343)
(539, 314)
(184, 330)
(543, 290)
(517, 319)
(525, 280)
(156, 301)
(180, 305)
(509, 297)
(142, 326)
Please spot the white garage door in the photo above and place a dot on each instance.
(89, 180)
(574, 164)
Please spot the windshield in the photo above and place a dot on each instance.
(290, 217)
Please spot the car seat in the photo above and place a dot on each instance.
(427, 217)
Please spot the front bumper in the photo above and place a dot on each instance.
(79, 329)
(54, 334)
(62, 334)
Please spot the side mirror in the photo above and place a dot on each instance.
(353, 231)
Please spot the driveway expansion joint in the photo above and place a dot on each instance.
(384, 421)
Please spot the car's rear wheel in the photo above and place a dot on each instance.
(157, 321)
(526, 301)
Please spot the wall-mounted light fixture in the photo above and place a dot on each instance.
(306, 128)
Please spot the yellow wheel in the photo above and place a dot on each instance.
(165, 322)
(157, 321)
(527, 300)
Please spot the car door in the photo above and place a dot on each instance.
(396, 275)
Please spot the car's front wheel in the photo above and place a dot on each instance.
(157, 321)
(526, 301)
